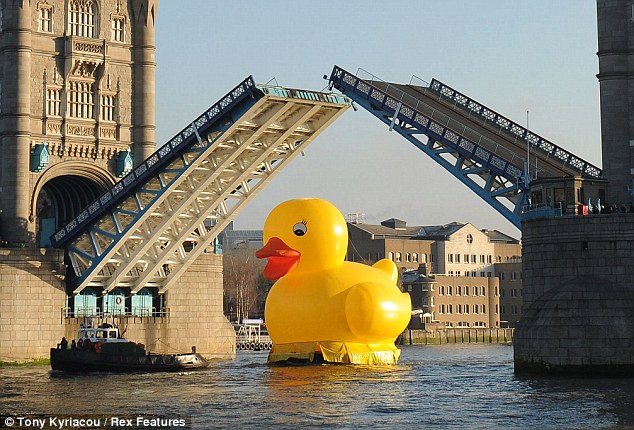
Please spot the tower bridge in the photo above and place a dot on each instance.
(156, 213)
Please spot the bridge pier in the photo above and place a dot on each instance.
(33, 298)
(578, 277)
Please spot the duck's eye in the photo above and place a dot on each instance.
(299, 229)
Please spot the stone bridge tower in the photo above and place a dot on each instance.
(83, 115)
(615, 19)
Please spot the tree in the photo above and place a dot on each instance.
(245, 288)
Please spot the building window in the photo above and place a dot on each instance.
(457, 258)
(489, 258)
(107, 107)
(398, 257)
(408, 257)
(459, 309)
(390, 256)
(475, 309)
(483, 309)
(442, 290)
(473, 258)
(466, 290)
(45, 18)
(501, 276)
(450, 309)
(466, 258)
(80, 100)
(118, 24)
(469, 239)
(415, 257)
(442, 309)
(466, 309)
(458, 290)
(423, 258)
(450, 290)
(81, 18)
(53, 101)
(482, 291)
(450, 258)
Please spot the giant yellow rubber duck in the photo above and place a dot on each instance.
(320, 305)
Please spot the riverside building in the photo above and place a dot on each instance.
(456, 274)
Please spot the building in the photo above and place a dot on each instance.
(455, 273)
(76, 107)
(231, 239)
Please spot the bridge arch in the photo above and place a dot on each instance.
(61, 192)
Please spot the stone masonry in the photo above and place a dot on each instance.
(579, 296)
(33, 298)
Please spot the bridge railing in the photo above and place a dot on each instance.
(542, 210)
(147, 168)
(464, 140)
(547, 148)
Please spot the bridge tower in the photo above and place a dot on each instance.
(578, 272)
(83, 118)
(616, 43)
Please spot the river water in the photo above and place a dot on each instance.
(456, 386)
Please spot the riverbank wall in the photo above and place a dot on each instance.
(456, 335)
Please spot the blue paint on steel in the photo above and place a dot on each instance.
(384, 107)
(218, 117)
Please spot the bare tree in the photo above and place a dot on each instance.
(243, 284)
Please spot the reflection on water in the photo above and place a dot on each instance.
(437, 387)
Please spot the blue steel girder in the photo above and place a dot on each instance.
(151, 234)
(494, 176)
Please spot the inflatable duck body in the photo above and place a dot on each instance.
(320, 305)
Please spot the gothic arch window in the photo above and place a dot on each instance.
(82, 18)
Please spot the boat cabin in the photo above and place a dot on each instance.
(103, 333)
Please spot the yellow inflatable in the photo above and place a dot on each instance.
(321, 305)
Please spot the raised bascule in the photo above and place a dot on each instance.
(147, 229)
(483, 149)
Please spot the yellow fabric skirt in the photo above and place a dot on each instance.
(336, 352)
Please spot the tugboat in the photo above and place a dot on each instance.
(103, 349)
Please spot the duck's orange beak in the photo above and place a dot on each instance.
(282, 258)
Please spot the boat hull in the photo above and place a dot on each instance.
(79, 361)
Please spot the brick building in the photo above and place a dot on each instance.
(455, 273)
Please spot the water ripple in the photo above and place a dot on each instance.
(434, 387)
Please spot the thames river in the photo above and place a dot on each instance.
(433, 387)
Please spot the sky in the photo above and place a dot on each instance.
(530, 60)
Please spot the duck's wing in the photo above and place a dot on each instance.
(376, 313)
(389, 267)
